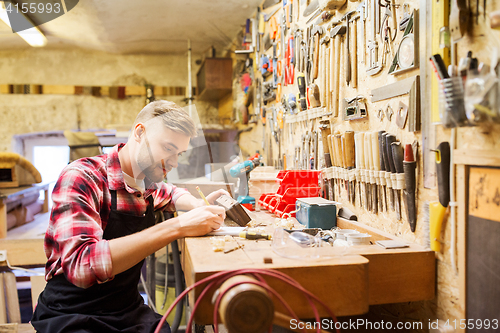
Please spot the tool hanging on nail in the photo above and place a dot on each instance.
(398, 155)
(437, 210)
(409, 165)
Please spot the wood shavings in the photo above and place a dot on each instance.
(228, 238)
(285, 224)
(217, 243)
(253, 223)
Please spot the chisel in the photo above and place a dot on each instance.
(409, 165)
(360, 163)
(383, 196)
(398, 156)
(387, 173)
(368, 161)
(350, 162)
(389, 138)
(376, 171)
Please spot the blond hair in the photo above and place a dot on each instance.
(174, 117)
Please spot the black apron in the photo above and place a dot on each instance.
(113, 306)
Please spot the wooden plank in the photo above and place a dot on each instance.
(37, 286)
(13, 310)
(24, 252)
(4, 88)
(58, 89)
(3, 307)
(477, 157)
(3, 219)
(462, 186)
(10, 328)
(135, 91)
(484, 193)
(25, 328)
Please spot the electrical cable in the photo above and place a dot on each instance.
(179, 285)
(150, 303)
(222, 276)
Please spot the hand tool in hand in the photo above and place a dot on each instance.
(398, 156)
(409, 166)
(437, 210)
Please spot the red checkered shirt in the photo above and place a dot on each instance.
(82, 202)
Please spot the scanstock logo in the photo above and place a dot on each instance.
(21, 12)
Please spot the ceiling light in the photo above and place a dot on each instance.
(33, 36)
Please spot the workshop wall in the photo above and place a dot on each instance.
(38, 113)
(482, 41)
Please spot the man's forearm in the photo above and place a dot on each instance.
(129, 250)
(187, 202)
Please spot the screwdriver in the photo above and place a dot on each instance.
(409, 165)
(254, 235)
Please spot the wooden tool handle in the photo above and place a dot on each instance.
(13, 310)
(331, 84)
(316, 56)
(368, 152)
(375, 151)
(354, 78)
(337, 77)
(338, 148)
(326, 81)
(349, 149)
(324, 136)
(333, 150)
(323, 75)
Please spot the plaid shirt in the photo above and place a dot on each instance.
(82, 203)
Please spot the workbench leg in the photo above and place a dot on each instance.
(45, 207)
(3, 220)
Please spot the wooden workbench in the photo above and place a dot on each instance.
(348, 284)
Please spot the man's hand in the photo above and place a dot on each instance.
(215, 195)
(201, 220)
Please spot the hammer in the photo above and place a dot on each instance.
(346, 17)
(316, 32)
(324, 41)
(335, 33)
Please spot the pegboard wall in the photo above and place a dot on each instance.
(278, 129)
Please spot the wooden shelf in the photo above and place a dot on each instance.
(214, 78)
